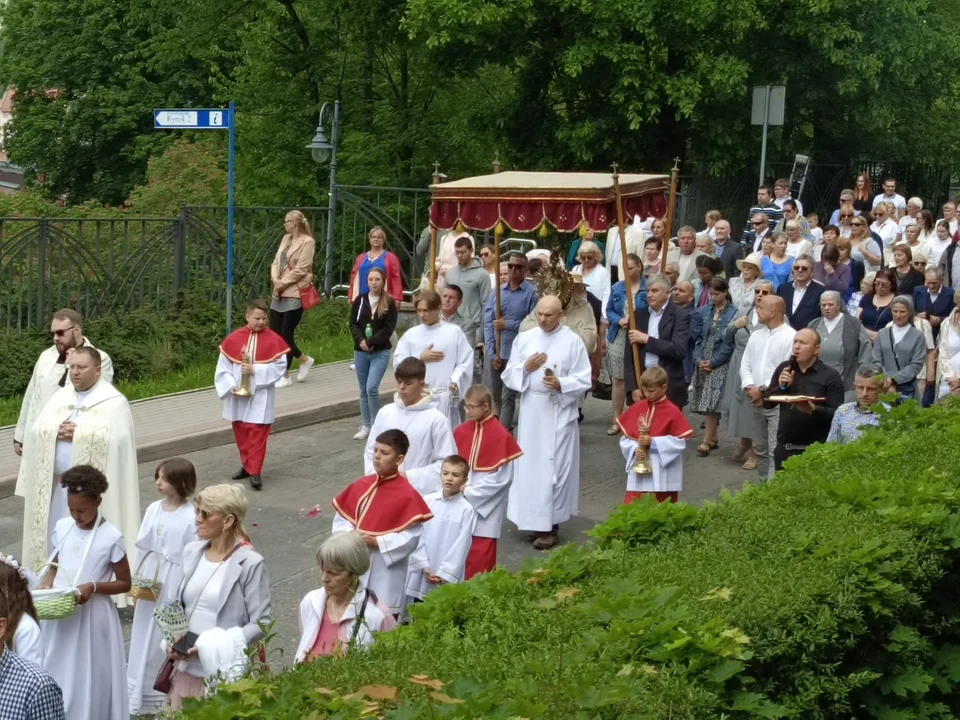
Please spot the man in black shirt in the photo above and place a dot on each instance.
(804, 423)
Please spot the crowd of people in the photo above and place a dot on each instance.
(786, 338)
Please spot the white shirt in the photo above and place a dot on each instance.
(598, 283)
(798, 293)
(795, 250)
(200, 599)
(832, 324)
(63, 460)
(898, 201)
(935, 249)
(898, 333)
(905, 222)
(653, 330)
(765, 350)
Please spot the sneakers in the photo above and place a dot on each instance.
(304, 369)
(362, 433)
(284, 382)
(353, 367)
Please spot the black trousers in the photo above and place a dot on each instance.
(285, 325)
(780, 454)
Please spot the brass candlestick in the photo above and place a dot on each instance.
(244, 389)
(640, 467)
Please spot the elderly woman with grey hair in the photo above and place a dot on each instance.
(344, 613)
(900, 349)
(737, 415)
(844, 343)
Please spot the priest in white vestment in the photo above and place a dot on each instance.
(88, 422)
(50, 370)
(445, 350)
(414, 412)
(550, 369)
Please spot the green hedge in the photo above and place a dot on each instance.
(146, 343)
(830, 592)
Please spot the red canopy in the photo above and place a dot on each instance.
(523, 200)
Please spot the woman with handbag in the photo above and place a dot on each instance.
(168, 526)
(293, 289)
(224, 594)
(82, 637)
(344, 613)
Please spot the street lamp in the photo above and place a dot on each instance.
(321, 150)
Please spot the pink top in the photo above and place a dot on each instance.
(327, 639)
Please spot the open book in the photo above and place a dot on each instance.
(795, 399)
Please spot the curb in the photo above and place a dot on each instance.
(151, 452)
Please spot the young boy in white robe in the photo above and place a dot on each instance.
(445, 350)
(445, 541)
(389, 513)
(655, 430)
(414, 412)
(490, 450)
(84, 652)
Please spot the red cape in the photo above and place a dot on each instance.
(668, 420)
(486, 445)
(267, 345)
(380, 506)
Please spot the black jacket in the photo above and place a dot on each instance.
(672, 347)
(809, 308)
(729, 254)
(383, 326)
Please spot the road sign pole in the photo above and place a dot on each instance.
(763, 143)
(231, 163)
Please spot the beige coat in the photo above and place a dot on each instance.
(298, 272)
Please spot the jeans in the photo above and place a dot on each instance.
(370, 369)
(285, 324)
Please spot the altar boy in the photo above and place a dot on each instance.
(490, 451)
(658, 427)
(389, 513)
(445, 540)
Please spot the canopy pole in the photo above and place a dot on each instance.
(497, 234)
(631, 310)
(671, 209)
(433, 235)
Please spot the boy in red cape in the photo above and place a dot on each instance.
(662, 438)
(252, 358)
(389, 513)
(490, 451)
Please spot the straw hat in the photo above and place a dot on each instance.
(577, 279)
(752, 259)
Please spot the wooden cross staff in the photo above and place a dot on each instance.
(671, 208)
(631, 310)
(433, 236)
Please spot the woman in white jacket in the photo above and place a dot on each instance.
(343, 613)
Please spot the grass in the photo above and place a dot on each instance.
(198, 375)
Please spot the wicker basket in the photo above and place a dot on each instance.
(141, 586)
(55, 603)
(172, 621)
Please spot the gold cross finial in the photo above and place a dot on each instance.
(676, 163)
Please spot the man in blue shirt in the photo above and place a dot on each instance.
(517, 300)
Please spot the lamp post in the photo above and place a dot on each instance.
(321, 150)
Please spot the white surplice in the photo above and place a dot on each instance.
(45, 382)
(665, 458)
(456, 368)
(431, 440)
(84, 652)
(163, 535)
(444, 543)
(387, 576)
(103, 438)
(546, 486)
(258, 407)
(487, 492)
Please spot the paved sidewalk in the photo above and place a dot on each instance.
(191, 421)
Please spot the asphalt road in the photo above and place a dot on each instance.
(308, 467)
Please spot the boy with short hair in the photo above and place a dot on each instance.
(659, 429)
(445, 541)
(389, 513)
(490, 450)
(414, 412)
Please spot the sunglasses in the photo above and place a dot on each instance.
(859, 224)
(761, 292)
(204, 514)
(759, 222)
(918, 263)
(801, 268)
(484, 254)
(516, 267)
(846, 216)
(61, 333)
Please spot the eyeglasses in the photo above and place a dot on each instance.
(761, 292)
(61, 333)
(881, 284)
(801, 268)
(516, 267)
(759, 222)
(858, 224)
(484, 254)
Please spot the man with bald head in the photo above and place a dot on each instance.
(550, 370)
(768, 346)
(726, 249)
(683, 293)
(803, 423)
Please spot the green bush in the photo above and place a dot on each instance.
(827, 593)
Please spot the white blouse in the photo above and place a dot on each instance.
(26, 640)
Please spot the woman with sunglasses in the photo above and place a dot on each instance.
(845, 220)
(862, 245)
(886, 228)
(738, 412)
(874, 309)
(489, 261)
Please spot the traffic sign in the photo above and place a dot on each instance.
(190, 119)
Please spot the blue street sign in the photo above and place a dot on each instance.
(190, 119)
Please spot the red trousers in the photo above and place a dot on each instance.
(251, 441)
(481, 558)
(661, 496)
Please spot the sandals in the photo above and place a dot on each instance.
(751, 463)
(613, 429)
(704, 448)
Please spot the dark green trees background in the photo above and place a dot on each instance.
(551, 84)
